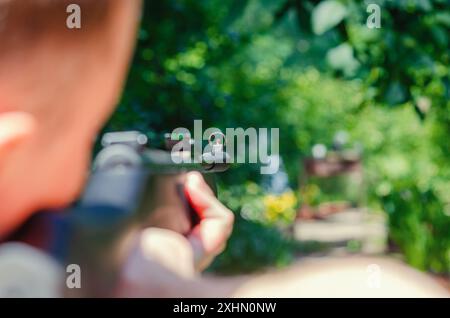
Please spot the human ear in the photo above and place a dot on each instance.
(15, 127)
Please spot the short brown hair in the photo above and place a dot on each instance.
(25, 23)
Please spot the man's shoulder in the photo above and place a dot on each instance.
(26, 271)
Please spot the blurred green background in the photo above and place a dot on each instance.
(312, 69)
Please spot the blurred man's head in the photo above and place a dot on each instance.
(57, 87)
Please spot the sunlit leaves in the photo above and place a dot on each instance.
(326, 15)
(341, 58)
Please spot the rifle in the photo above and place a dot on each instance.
(129, 180)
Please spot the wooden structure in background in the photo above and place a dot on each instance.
(332, 165)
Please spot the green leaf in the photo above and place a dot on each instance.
(327, 15)
(395, 93)
(341, 58)
(443, 18)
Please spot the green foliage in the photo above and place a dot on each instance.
(252, 203)
(406, 58)
(256, 241)
(326, 15)
(419, 225)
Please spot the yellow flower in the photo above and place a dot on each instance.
(280, 207)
